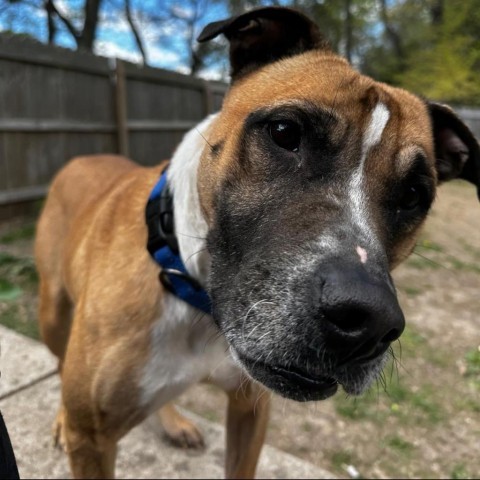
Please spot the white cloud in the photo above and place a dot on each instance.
(161, 56)
(110, 49)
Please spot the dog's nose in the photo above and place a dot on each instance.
(360, 312)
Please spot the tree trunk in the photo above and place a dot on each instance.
(52, 29)
(87, 37)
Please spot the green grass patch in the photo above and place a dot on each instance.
(422, 263)
(6, 259)
(412, 407)
(360, 408)
(412, 291)
(20, 271)
(9, 291)
(472, 359)
(459, 472)
(341, 458)
(307, 427)
(11, 317)
(464, 266)
(400, 445)
(472, 373)
(429, 245)
(24, 232)
(425, 404)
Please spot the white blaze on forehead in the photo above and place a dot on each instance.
(378, 122)
(372, 136)
(362, 254)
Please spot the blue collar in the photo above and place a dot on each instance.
(163, 247)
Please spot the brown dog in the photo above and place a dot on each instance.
(291, 206)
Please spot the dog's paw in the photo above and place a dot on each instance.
(186, 436)
(179, 430)
(58, 431)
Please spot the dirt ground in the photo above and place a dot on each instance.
(423, 421)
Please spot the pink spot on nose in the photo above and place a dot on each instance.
(362, 253)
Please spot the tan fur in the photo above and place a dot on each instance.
(90, 234)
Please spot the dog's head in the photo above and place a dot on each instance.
(314, 186)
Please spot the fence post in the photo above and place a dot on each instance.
(120, 86)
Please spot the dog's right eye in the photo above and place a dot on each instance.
(285, 134)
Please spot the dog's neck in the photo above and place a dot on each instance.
(190, 225)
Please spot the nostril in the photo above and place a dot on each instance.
(348, 319)
(391, 336)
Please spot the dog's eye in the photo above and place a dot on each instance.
(285, 134)
(411, 197)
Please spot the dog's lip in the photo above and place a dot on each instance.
(289, 381)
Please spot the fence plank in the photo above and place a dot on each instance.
(121, 108)
(20, 195)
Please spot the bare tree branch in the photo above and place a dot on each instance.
(65, 21)
(136, 34)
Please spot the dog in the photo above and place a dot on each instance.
(290, 206)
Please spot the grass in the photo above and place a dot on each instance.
(422, 263)
(18, 286)
(24, 232)
(472, 373)
(429, 245)
(431, 255)
(459, 472)
(341, 458)
(400, 445)
(394, 397)
(11, 316)
(412, 291)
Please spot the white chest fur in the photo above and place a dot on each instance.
(186, 346)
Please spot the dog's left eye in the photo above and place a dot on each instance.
(411, 197)
(285, 134)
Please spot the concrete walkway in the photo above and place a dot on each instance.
(29, 396)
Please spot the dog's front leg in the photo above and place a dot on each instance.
(247, 418)
(88, 458)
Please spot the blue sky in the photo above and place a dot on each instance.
(165, 46)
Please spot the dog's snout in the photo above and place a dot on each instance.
(359, 311)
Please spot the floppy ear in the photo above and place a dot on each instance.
(265, 35)
(456, 149)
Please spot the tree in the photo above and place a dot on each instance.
(84, 35)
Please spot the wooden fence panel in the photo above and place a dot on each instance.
(56, 104)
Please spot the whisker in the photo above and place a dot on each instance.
(206, 141)
(195, 253)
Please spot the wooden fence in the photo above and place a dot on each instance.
(55, 104)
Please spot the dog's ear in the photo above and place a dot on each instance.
(265, 35)
(457, 150)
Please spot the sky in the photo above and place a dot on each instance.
(165, 48)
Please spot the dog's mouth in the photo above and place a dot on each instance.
(289, 381)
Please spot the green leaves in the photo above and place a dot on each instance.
(9, 291)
